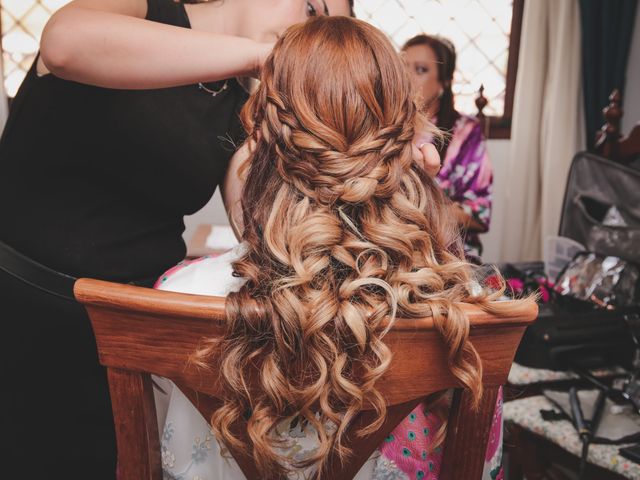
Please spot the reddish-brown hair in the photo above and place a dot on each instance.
(343, 230)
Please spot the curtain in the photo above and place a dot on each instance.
(547, 128)
(4, 107)
(607, 27)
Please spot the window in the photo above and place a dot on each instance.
(22, 24)
(486, 34)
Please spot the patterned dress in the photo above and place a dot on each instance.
(467, 178)
(191, 452)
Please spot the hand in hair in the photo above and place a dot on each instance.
(423, 150)
(425, 153)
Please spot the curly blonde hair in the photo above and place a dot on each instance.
(345, 232)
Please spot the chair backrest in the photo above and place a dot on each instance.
(141, 331)
(609, 141)
(481, 103)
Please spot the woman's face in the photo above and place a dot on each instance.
(422, 63)
(266, 20)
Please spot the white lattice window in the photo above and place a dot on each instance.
(480, 30)
(22, 24)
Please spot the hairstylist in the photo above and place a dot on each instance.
(124, 124)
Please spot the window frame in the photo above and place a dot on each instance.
(500, 127)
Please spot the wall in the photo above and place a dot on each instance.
(212, 212)
(492, 241)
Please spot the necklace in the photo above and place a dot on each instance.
(213, 93)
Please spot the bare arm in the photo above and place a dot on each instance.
(232, 188)
(427, 154)
(108, 43)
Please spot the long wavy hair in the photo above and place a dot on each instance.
(344, 233)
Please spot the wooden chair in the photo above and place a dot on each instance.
(142, 331)
(481, 103)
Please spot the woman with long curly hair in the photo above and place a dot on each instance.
(343, 230)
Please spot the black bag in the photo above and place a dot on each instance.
(601, 210)
(575, 335)
(601, 207)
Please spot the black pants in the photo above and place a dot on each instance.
(55, 411)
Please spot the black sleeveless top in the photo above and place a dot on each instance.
(95, 182)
